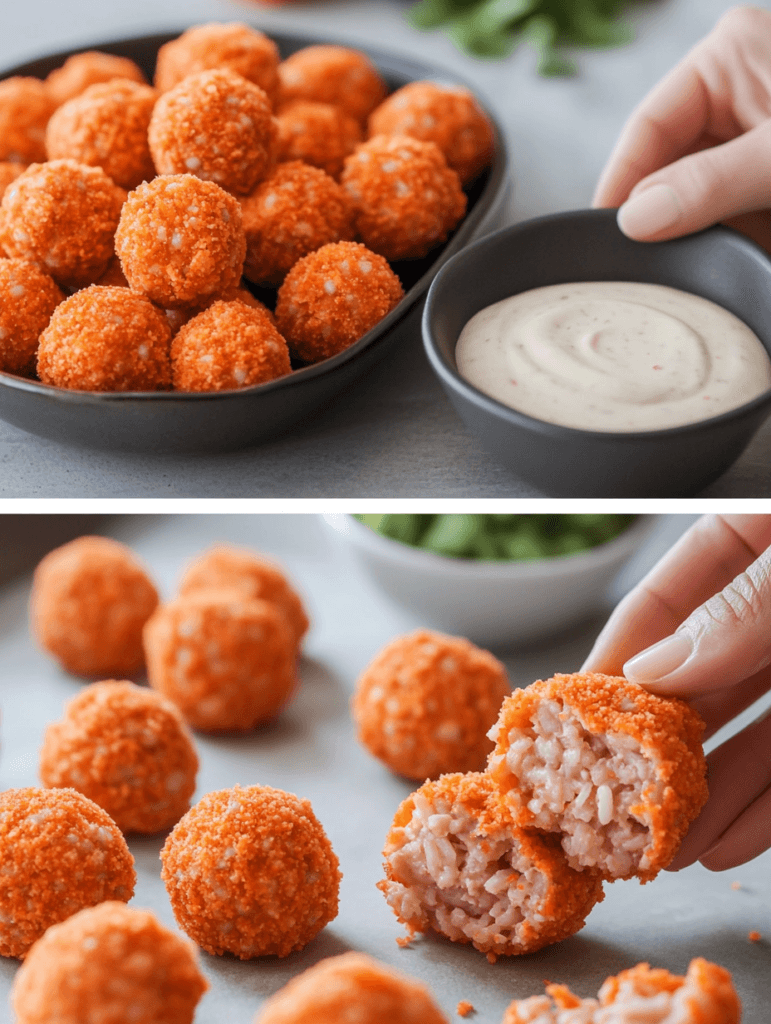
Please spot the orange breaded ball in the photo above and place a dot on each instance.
(62, 215)
(61, 853)
(90, 599)
(319, 134)
(217, 126)
(181, 241)
(179, 317)
(106, 126)
(340, 987)
(109, 964)
(89, 68)
(231, 45)
(127, 749)
(227, 662)
(424, 705)
(28, 297)
(251, 574)
(332, 74)
(106, 338)
(332, 297)
(114, 275)
(295, 211)
(407, 199)
(25, 106)
(9, 172)
(250, 871)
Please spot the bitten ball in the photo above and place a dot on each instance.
(28, 298)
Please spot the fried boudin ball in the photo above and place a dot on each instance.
(106, 126)
(351, 986)
(61, 853)
(250, 871)
(229, 345)
(9, 172)
(332, 297)
(28, 297)
(618, 771)
(457, 864)
(181, 241)
(106, 338)
(295, 211)
(424, 705)
(217, 126)
(90, 68)
(127, 749)
(319, 134)
(332, 74)
(179, 317)
(25, 106)
(62, 215)
(90, 599)
(450, 116)
(407, 199)
(109, 964)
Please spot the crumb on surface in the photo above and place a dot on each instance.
(754, 936)
(464, 1008)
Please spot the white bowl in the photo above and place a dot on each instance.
(494, 604)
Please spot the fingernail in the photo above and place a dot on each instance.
(660, 660)
(649, 212)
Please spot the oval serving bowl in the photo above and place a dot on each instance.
(587, 245)
(225, 420)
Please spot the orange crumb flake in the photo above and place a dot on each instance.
(754, 936)
(464, 1008)
(736, 885)
(403, 941)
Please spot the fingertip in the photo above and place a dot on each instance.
(649, 213)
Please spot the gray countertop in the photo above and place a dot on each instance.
(394, 434)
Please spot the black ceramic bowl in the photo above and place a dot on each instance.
(586, 245)
(177, 422)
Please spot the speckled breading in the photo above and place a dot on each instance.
(61, 853)
(332, 297)
(9, 172)
(109, 965)
(351, 987)
(106, 126)
(424, 704)
(406, 198)
(332, 74)
(295, 211)
(180, 241)
(450, 116)
(230, 45)
(62, 215)
(28, 297)
(106, 338)
(457, 864)
(250, 871)
(127, 749)
(229, 345)
(89, 68)
(217, 126)
(25, 106)
(226, 661)
(319, 134)
(90, 599)
(179, 317)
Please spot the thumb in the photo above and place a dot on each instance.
(701, 189)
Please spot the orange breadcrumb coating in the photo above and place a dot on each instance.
(226, 661)
(114, 275)
(62, 215)
(332, 74)
(89, 68)
(28, 297)
(250, 871)
(25, 106)
(450, 116)
(407, 199)
(9, 172)
(106, 126)
(319, 134)
(229, 345)
(219, 127)
(424, 704)
(106, 338)
(90, 599)
(254, 576)
(127, 749)
(179, 317)
(464, 1008)
(295, 211)
(233, 45)
(332, 297)
(180, 241)
(754, 936)
(109, 964)
(61, 853)
(351, 987)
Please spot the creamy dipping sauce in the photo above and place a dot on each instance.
(613, 356)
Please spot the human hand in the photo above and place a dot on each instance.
(699, 627)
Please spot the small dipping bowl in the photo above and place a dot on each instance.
(586, 245)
